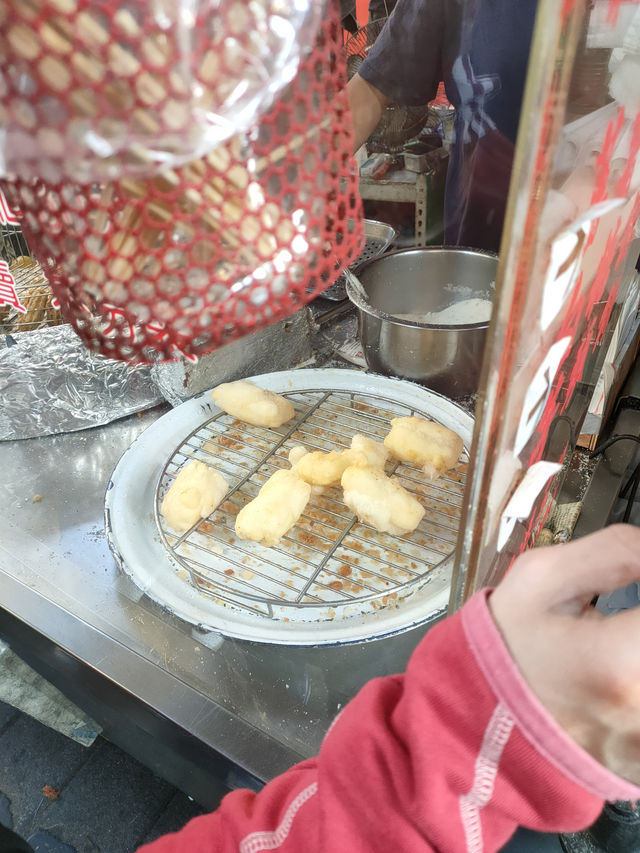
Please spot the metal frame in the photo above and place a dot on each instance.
(556, 37)
(31, 287)
(413, 192)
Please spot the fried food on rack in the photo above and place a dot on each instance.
(194, 494)
(326, 469)
(295, 455)
(278, 505)
(34, 293)
(375, 452)
(380, 501)
(253, 405)
(429, 445)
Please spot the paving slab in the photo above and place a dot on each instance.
(7, 716)
(109, 805)
(32, 756)
(177, 814)
(43, 842)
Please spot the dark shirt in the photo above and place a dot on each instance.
(480, 49)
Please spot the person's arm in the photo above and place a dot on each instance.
(366, 104)
(457, 752)
(404, 65)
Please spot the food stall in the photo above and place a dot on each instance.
(219, 661)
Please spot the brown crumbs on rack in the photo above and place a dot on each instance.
(231, 443)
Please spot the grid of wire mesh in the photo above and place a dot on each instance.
(328, 561)
(12, 244)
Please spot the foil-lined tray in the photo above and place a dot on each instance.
(51, 383)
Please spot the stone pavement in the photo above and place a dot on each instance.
(66, 798)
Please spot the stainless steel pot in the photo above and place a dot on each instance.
(447, 359)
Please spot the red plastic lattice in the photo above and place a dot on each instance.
(91, 89)
(201, 254)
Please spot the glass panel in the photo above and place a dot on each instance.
(566, 265)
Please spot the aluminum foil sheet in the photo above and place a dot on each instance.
(50, 383)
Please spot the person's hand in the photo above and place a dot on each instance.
(584, 667)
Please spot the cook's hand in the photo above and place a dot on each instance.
(584, 667)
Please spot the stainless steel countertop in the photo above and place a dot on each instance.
(264, 707)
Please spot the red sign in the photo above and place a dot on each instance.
(7, 216)
(8, 295)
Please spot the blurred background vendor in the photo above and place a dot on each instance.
(480, 49)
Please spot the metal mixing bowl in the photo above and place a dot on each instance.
(447, 359)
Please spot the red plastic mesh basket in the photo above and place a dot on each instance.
(93, 89)
(203, 253)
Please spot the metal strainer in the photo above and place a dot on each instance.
(379, 236)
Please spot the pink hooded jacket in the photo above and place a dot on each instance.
(451, 756)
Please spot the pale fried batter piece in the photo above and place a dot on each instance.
(375, 452)
(326, 469)
(380, 501)
(428, 445)
(194, 494)
(277, 507)
(253, 405)
(295, 455)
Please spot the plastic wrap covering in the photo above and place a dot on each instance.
(50, 383)
(201, 254)
(90, 88)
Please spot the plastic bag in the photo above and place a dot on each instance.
(93, 89)
(215, 248)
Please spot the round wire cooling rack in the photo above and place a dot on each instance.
(329, 565)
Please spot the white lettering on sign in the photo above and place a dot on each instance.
(538, 393)
(566, 252)
(7, 216)
(8, 294)
(522, 500)
(566, 255)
